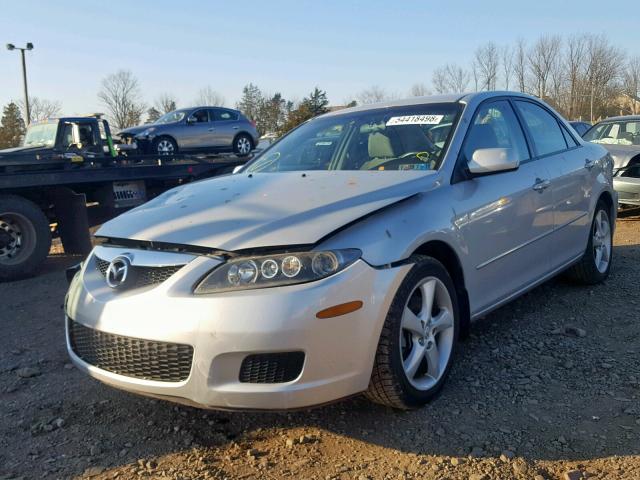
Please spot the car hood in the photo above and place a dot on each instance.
(135, 130)
(622, 153)
(237, 212)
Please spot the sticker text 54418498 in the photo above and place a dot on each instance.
(415, 120)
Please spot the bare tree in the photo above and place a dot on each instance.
(209, 97)
(542, 57)
(40, 108)
(631, 83)
(165, 103)
(120, 94)
(419, 90)
(507, 54)
(520, 64)
(575, 66)
(603, 70)
(373, 94)
(486, 59)
(450, 78)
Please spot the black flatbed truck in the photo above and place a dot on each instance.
(70, 176)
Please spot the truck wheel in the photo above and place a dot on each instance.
(242, 145)
(165, 146)
(25, 238)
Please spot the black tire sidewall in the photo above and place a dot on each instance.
(424, 267)
(30, 211)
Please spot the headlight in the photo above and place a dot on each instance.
(275, 270)
(147, 132)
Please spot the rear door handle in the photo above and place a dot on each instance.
(541, 184)
(236, 127)
(589, 164)
(211, 129)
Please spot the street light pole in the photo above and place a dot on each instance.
(29, 46)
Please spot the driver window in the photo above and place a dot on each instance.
(200, 116)
(495, 126)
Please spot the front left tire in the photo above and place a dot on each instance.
(418, 339)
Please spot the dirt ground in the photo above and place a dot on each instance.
(547, 387)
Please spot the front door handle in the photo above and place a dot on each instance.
(589, 164)
(211, 129)
(541, 184)
(236, 127)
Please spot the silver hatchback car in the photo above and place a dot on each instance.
(349, 257)
(196, 129)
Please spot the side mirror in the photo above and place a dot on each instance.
(492, 160)
(237, 168)
(191, 120)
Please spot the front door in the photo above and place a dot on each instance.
(505, 219)
(197, 132)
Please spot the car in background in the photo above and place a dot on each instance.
(580, 127)
(347, 257)
(621, 137)
(196, 129)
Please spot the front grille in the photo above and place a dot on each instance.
(142, 276)
(271, 367)
(133, 357)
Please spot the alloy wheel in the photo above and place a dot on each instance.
(243, 145)
(602, 241)
(165, 147)
(427, 333)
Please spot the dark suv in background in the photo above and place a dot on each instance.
(210, 129)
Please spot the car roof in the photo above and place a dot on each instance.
(620, 117)
(444, 98)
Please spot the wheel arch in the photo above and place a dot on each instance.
(166, 135)
(246, 134)
(446, 255)
(607, 198)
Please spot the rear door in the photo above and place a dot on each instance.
(504, 218)
(570, 175)
(226, 126)
(197, 132)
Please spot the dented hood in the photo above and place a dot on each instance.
(241, 211)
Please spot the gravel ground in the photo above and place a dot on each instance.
(547, 387)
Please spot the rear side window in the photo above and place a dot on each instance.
(495, 126)
(224, 116)
(543, 127)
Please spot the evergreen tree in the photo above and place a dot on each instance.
(317, 102)
(152, 115)
(11, 127)
(311, 106)
(251, 101)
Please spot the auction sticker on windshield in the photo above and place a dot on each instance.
(415, 120)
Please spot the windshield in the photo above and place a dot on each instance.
(172, 117)
(41, 135)
(615, 133)
(399, 138)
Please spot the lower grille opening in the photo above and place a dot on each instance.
(271, 367)
(132, 357)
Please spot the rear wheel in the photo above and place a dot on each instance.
(165, 146)
(242, 145)
(418, 339)
(595, 264)
(25, 238)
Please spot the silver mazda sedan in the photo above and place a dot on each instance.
(349, 257)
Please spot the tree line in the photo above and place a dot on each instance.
(583, 76)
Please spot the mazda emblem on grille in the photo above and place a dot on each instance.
(118, 271)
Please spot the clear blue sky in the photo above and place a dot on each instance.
(286, 46)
